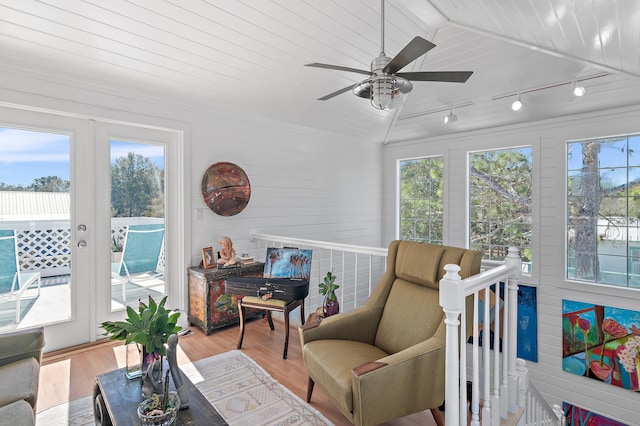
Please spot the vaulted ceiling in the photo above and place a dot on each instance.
(248, 56)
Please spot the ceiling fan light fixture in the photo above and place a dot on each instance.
(385, 92)
(578, 90)
(517, 104)
(450, 118)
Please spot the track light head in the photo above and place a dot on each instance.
(516, 105)
(450, 118)
(578, 90)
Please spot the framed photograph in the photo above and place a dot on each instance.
(208, 261)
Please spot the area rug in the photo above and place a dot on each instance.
(241, 391)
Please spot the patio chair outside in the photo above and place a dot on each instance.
(13, 282)
(140, 253)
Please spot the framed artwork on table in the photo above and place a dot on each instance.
(208, 260)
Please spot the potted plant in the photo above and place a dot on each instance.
(149, 327)
(160, 409)
(327, 288)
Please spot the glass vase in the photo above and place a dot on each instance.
(134, 360)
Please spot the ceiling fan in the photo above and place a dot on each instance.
(385, 85)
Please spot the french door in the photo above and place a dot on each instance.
(76, 192)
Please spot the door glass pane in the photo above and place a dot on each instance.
(137, 222)
(35, 237)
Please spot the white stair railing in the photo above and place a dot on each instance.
(536, 410)
(500, 389)
(494, 379)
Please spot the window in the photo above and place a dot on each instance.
(421, 199)
(603, 211)
(500, 203)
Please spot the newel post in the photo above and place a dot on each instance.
(452, 302)
(514, 261)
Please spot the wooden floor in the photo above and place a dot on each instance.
(68, 375)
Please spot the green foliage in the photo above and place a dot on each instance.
(137, 187)
(421, 199)
(150, 327)
(41, 184)
(328, 286)
(500, 198)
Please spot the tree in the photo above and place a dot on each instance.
(500, 197)
(50, 184)
(137, 187)
(584, 203)
(41, 184)
(421, 199)
(603, 185)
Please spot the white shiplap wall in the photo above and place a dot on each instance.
(306, 183)
(548, 141)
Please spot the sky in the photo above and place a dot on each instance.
(27, 155)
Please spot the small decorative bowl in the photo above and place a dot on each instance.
(150, 418)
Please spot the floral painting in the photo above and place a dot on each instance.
(577, 416)
(602, 343)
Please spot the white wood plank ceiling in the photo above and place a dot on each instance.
(247, 56)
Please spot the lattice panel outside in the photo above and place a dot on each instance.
(44, 249)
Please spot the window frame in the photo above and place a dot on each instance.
(443, 198)
(533, 220)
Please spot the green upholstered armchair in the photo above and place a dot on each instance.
(386, 359)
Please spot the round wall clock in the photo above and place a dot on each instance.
(226, 189)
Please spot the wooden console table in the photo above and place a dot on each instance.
(209, 307)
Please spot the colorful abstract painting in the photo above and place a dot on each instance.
(577, 416)
(527, 321)
(287, 263)
(601, 342)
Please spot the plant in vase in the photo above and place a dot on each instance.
(611, 330)
(327, 288)
(160, 409)
(149, 327)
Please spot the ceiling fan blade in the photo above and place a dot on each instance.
(412, 51)
(336, 93)
(338, 68)
(446, 76)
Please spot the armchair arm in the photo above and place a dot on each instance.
(413, 380)
(358, 325)
(21, 344)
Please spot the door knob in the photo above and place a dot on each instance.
(82, 244)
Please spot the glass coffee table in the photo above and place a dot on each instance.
(116, 399)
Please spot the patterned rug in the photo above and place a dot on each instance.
(241, 391)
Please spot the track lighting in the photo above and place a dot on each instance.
(450, 118)
(516, 105)
(578, 90)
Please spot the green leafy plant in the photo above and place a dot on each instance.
(150, 326)
(328, 286)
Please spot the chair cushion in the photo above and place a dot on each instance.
(329, 364)
(419, 263)
(276, 303)
(19, 381)
(18, 413)
(411, 315)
